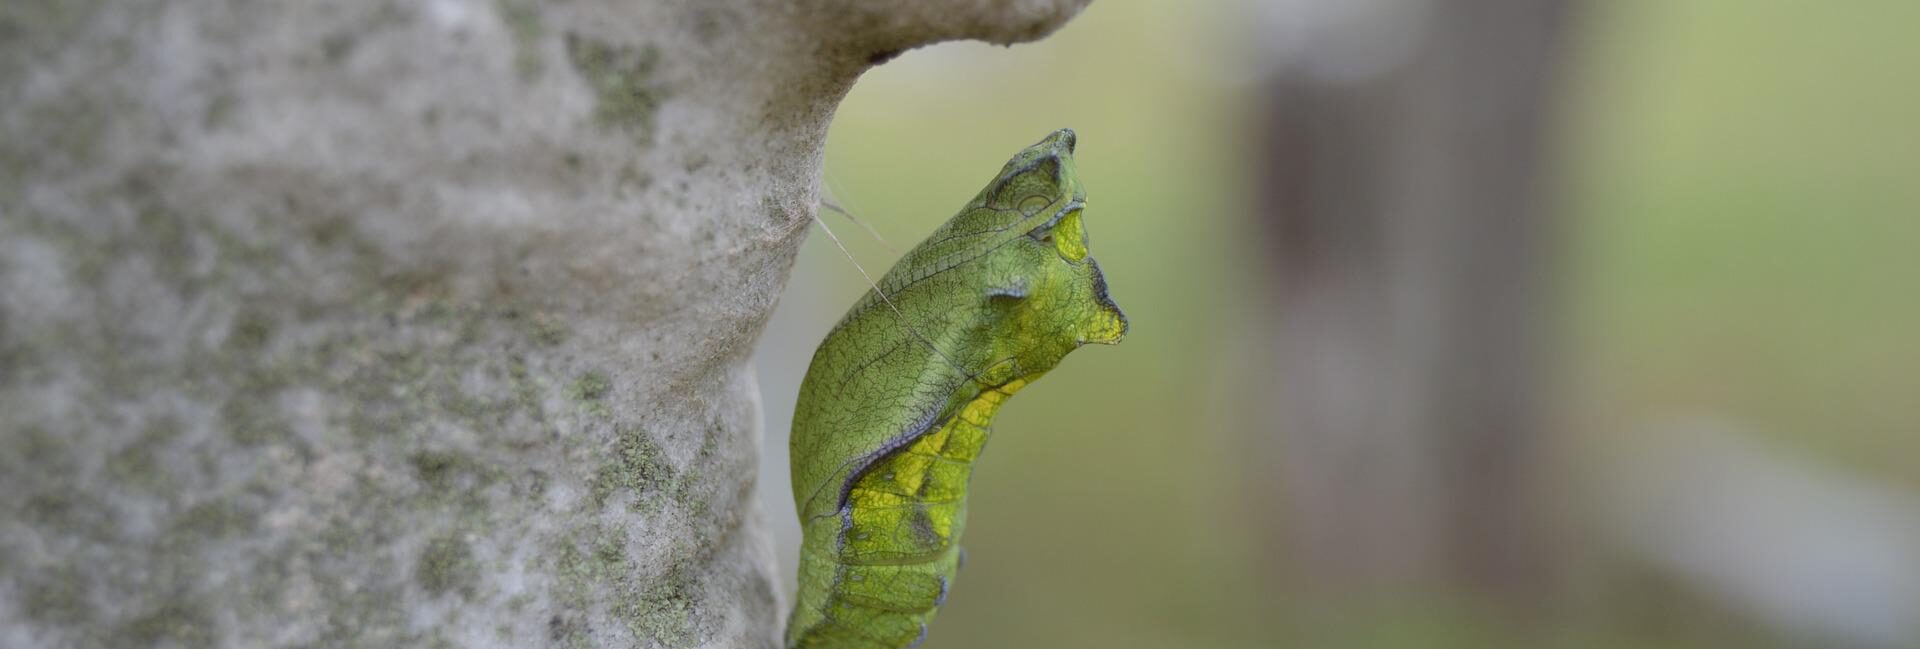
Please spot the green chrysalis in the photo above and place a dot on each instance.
(897, 401)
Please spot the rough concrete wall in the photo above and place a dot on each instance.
(406, 322)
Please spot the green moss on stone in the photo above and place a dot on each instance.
(590, 387)
(574, 577)
(446, 564)
(135, 467)
(44, 451)
(638, 466)
(661, 609)
(179, 621)
(548, 330)
(610, 549)
(622, 78)
(48, 508)
(252, 418)
(664, 611)
(526, 391)
(519, 603)
(58, 598)
(522, 18)
(591, 390)
(436, 468)
(249, 333)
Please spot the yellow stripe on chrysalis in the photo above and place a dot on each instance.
(1070, 237)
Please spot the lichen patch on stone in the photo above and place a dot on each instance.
(623, 81)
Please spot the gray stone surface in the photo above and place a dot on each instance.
(406, 322)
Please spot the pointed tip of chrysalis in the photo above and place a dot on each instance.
(1063, 139)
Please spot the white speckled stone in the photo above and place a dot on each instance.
(406, 322)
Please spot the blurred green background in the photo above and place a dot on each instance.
(1738, 188)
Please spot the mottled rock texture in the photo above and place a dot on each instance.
(409, 322)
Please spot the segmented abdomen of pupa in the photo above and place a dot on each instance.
(894, 548)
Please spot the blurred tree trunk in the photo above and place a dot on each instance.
(1406, 199)
(398, 323)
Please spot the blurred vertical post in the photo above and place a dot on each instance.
(1405, 195)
